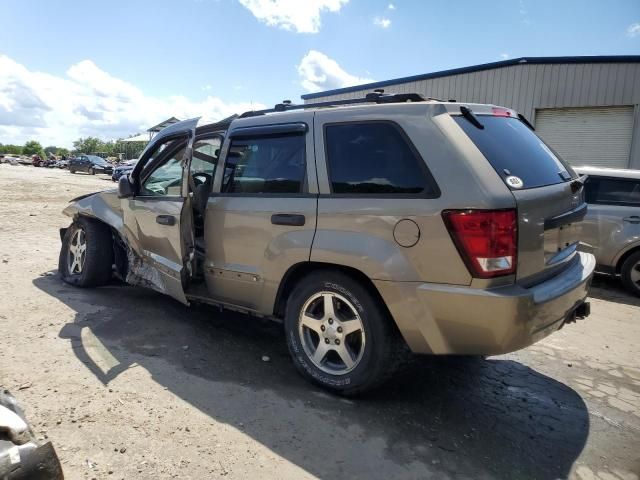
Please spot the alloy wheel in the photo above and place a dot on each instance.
(332, 333)
(635, 275)
(77, 252)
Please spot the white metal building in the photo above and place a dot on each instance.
(586, 108)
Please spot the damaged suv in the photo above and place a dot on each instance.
(371, 227)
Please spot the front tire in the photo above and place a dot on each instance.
(630, 273)
(86, 256)
(339, 335)
(92, 171)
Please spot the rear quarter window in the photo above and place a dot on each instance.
(513, 150)
(375, 158)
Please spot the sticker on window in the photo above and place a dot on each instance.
(514, 182)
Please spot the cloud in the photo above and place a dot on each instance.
(391, 6)
(505, 56)
(56, 110)
(524, 13)
(319, 72)
(303, 16)
(382, 22)
(633, 30)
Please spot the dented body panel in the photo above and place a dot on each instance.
(107, 207)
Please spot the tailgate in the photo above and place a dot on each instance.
(549, 227)
(549, 198)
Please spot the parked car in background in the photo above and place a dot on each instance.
(612, 224)
(123, 169)
(90, 164)
(36, 161)
(61, 164)
(369, 230)
(10, 160)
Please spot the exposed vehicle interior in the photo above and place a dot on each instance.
(162, 177)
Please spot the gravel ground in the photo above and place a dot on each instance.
(130, 384)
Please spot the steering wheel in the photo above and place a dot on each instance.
(200, 178)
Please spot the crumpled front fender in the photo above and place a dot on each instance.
(106, 207)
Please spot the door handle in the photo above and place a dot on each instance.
(632, 219)
(289, 219)
(166, 220)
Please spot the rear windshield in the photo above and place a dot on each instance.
(515, 151)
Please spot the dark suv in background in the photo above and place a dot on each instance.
(90, 164)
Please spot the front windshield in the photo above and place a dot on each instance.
(97, 160)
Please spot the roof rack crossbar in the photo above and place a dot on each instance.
(375, 97)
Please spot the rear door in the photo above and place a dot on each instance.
(550, 200)
(261, 218)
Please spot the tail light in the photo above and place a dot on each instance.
(486, 240)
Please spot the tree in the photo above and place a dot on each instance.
(51, 150)
(88, 145)
(11, 149)
(32, 148)
(63, 151)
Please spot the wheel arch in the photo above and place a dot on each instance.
(299, 270)
(117, 242)
(630, 250)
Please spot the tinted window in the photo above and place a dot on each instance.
(274, 164)
(373, 158)
(613, 191)
(513, 149)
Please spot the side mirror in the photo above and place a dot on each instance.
(125, 189)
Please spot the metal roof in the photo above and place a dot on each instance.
(477, 68)
(166, 123)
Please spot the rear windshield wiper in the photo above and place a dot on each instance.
(524, 120)
(468, 114)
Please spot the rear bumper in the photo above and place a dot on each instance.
(449, 319)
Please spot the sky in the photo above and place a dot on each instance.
(71, 69)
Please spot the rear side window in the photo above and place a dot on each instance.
(267, 164)
(374, 158)
(513, 150)
(613, 191)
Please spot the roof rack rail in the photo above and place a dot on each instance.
(377, 96)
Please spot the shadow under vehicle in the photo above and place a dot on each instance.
(443, 417)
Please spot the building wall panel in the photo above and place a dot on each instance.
(528, 87)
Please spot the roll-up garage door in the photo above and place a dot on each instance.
(599, 136)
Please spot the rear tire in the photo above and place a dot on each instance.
(374, 347)
(630, 273)
(86, 256)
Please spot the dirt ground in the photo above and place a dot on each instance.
(127, 383)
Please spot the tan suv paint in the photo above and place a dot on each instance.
(397, 248)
